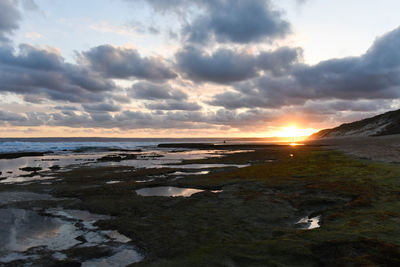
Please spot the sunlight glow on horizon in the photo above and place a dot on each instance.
(293, 132)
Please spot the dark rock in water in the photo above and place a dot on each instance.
(31, 169)
(23, 154)
(55, 167)
(118, 157)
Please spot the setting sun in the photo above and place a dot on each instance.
(294, 132)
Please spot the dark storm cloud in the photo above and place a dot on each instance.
(41, 72)
(227, 65)
(9, 18)
(374, 75)
(280, 61)
(123, 63)
(6, 116)
(65, 108)
(223, 66)
(176, 119)
(237, 21)
(23, 119)
(335, 106)
(174, 105)
(151, 91)
(101, 107)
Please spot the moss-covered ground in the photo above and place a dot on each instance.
(252, 222)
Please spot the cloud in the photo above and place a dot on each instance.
(229, 65)
(124, 63)
(43, 72)
(65, 108)
(9, 19)
(374, 75)
(6, 116)
(101, 107)
(174, 105)
(127, 119)
(236, 21)
(31, 5)
(151, 91)
(223, 66)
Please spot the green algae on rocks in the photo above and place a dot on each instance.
(252, 220)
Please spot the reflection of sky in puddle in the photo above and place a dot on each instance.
(24, 229)
(217, 191)
(167, 191)
(113, 182)
(123, 257)
(203, 166)
(190, 173)
(309, 223)
(71, 160)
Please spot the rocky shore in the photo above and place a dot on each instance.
(265, 206)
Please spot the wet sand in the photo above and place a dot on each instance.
(382, 148)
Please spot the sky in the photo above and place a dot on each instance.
(205, 68)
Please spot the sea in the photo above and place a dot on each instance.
(54, 144)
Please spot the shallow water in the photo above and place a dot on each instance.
(203, 166)
(309, 223)
(167, 191)
(25, 229)
(190, 173)
(122, 257)
(150, 158)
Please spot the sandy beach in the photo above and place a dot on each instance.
(382, 148)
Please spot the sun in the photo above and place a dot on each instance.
(293, 132)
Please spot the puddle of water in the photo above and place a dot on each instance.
(203, 166)
(190, 173)
(24, 229)
(309, 223)
(59, 256)
(113, 182)
(87, 218)
(123, 257)
(15, 256)
(116, 236)
(217, 191)
(167, 191)
(11, 168)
